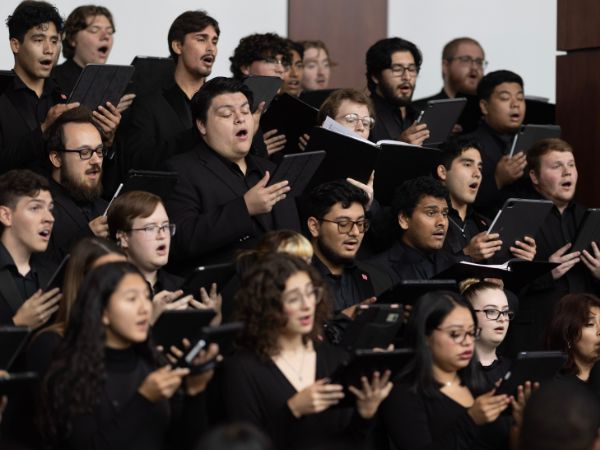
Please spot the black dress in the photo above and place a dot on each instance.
(125, 419)
(257, 392)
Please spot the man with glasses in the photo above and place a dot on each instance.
(392, 68)
(76, 150)
(337, 222)
(267, 55)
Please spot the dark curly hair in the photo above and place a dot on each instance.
(408, 194)
(189, 22)
(258, 302)
(379, 57)
(256, 47)
(570, 315)
(30, 14)
(77, 21)
(75, 377)
(18, 183)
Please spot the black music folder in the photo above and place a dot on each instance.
(101, 83)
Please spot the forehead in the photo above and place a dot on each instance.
(469, 49)
(208, 30)
(348, 106)
(132, 281)
(428, 200)
(47, 28)
(228, 99)
(470, 153)
(513, 88)
(315, 53)
(297, 281)
(295, 55)
(99, 19)
(354, 211)
(460, 316)
(81, 134)
(492, 297)
(42, 195)
(402, 57)
(159, 213)
(556, 156)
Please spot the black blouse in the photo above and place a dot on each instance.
(257, 392)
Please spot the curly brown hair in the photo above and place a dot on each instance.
(258, 303)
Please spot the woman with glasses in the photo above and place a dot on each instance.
(138, 222)
(278, 381)
(490, 303)
(442, 400)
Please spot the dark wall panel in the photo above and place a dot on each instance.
(578, 24)
(348, 28)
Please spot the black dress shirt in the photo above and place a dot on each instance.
(66, 75)
(460, 232)
(389, 123)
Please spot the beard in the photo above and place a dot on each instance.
(79, 191)
(388, 93)
(331, 255)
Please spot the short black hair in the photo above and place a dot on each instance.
(18, 183)
(30, 14)
(295, 46)
(217, 86)
(409, 193)
(379, 57)
(189, 22)
(323, 197)
(489, 82)
(54, 135)
(256, 47)
(454, 147)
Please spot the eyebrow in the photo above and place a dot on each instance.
(495, 306)
(348, 217)
(233, 106)
(509, 92)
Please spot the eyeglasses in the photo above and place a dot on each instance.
(353, 118)
(494, 314)
(467, 60)
(86, 153)
(278, 61)
(150, 231)
(345, 225)
(398, 70)
(459, 336)
(296, 297)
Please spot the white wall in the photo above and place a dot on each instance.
(142, 26)
(519, 35)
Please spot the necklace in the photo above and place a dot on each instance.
(297, 371)
(462, 229)
(451, 382)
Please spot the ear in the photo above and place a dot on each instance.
(5, 216)
(245, 70)
(177, 47)
(483, 106)
(122, 240)
(313, 226)
(403, 221)
(534, 178)
(375, 80)
(201, 127)
(55, 160)
(444, 68)
(105, 319)
(441, 172)
(15, 45)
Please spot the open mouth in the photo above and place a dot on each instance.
(473, 185)
(103, 50)
(305, 320)
(161, 248)
(439, 234)
(46, 63)
(566, 184)
(515, 116)
(242, 134)
(45, 234)
(208, 59)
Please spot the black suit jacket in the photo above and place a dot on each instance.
(160, 126)
(208, 207)
(70, 222)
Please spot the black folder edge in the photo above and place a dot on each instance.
(416, 289)
(588, 231)
(399, 163)
(121, 76)
(11, 336)
(205, 276)
(263, 89)
(155, 182)
(223, 335)
(538, 131)
(58, 276)
(369, 323)
(298, 169)
(441, 115)
(172, 326)
(365, 363)
(161, 74)
(548, 362)
(351, 158)
(16, 382)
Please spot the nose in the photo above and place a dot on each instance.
(359, 126)
(49, 216)
(95, 159)
(239, 117)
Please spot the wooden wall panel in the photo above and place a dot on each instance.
(348, 28)
(578, 24)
